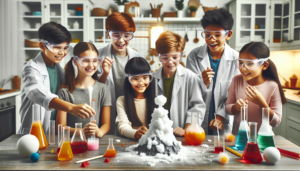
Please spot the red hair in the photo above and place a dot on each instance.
(169, 41)
(120, 22)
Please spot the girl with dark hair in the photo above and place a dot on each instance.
(257, 87)
(76, 90)
(134, 109)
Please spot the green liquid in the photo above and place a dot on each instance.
(265, 141)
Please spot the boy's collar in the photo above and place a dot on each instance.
(203, 52)
(179, 71)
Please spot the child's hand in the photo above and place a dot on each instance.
(90, 129)
(240, 103)
(83, 111)
(207, 76)
(254, 96)
(179, 132)
(214, 124)
(139, 133)
(106, 64)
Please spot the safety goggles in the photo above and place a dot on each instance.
(175, 57)
(87, 60)
(57, 48)
(217, 35)
(145, 77)
(250, 64)
(116, 35)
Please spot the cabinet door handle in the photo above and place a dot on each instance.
(7, 108)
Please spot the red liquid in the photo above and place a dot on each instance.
(79, 147)
(57, 151)
(252, 153)
(218, 149)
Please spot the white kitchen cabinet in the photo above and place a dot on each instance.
(295, 24)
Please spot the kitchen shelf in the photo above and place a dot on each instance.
(146, 20)
(181, 20)
(31, 48)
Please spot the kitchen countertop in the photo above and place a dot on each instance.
(291, 96)
(15, 93)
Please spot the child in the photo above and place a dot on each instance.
(258, 83)
(42, 76)
(75, 90)
(136, 106)
(120, 28)
(179, 85)
(214, 64)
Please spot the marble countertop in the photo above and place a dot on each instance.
(15, 93)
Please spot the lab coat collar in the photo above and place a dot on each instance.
(41, 63)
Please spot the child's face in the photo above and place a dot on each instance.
(51, 57)
(216, 45)
(91, 68)
(141, 86)
(118, 42)
(251, 74)
(170, 66)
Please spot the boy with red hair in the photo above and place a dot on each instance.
(120, 29)
(178, 84)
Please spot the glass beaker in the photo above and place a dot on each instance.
(78, 141)
(251, 152)
(265, 134)
(59, 137)
(37, 127)
(242, 136)
(111, 151)
(194, 134)
(65, 152)
(219, 144)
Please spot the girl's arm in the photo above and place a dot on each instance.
(61, 118)
(231, 100)
(105, 122)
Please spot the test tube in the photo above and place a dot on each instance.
(93, 117)
(51, 132)
(59, 137)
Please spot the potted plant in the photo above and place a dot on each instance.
(121, 5)
(179, 5)
(192, 10)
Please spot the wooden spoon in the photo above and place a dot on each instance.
(196, 40)
(186, 36)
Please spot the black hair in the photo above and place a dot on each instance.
(54, 33)
(138, 65)
(219, 17)
(260, 50)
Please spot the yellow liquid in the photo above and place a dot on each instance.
(65, 152)
(38, 131)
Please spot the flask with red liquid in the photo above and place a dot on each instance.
(194, 134)
(78, 141)
(251, 153)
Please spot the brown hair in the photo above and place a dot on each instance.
(69, 81)
(260, 50)
(120, 22)
(169, 41)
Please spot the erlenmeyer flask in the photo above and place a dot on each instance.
(265, 134)
(251, 152)
(194, 134)
(242, 136)
(59, 137)
(65, 152)
(37, 127)
(78, 141)
(111, 151)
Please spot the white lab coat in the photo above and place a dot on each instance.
(103, 52)
(198, 61)
(35, 89)
(186, 96)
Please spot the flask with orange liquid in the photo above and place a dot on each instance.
(194, 134)
(111, 151)
(65, 152)
(37, 127)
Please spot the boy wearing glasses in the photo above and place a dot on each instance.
(214, 64)
(179, 85)
(42, 76)
(120, 28)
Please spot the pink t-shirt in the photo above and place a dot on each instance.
(270, 92)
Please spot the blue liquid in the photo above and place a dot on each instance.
(241, 140)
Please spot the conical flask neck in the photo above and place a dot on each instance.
(265, 115)
(194, 119)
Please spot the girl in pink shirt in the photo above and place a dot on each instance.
(257, 87)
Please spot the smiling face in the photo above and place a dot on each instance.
(252, 76)
(90, 69)
(217, 45)
(141, 87)
(119, 46)
(50, 57)
(170, 66)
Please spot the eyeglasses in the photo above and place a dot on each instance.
(250, 64)
(175, 57)
(217, 35)
(145, 77)
(57, 48)
(86, 60)
(116, 35)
